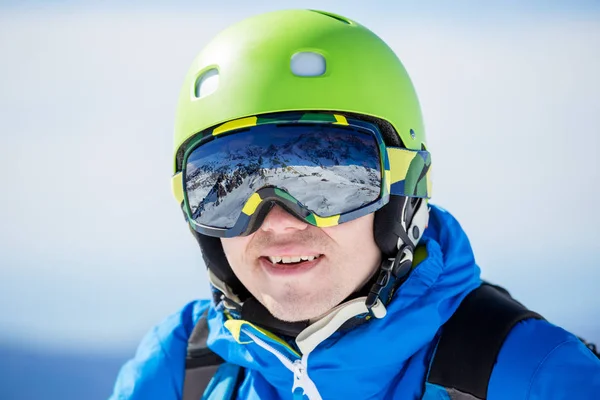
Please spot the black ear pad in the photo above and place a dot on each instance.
(215, 260)
(388, 223)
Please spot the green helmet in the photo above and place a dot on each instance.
(252, 65)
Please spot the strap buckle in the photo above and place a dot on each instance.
(392, 273)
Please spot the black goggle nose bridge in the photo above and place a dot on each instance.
(266, 205)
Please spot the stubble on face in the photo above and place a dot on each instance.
(310, 294)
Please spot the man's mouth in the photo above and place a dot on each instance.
(287, 266)
(281, 260)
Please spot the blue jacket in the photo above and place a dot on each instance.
(382, 359)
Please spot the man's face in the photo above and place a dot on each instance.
(345, 257)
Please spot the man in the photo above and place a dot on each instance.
(303, 173)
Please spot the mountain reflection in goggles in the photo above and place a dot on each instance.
(328, 169)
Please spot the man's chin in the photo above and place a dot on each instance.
(297, 310)
(292, 316)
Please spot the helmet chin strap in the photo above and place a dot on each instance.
(394, 271)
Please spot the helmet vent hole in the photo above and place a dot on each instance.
(308, 64)
(207, 83)
(334, 16)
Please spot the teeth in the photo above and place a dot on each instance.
(290, 259)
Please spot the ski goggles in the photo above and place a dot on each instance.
(325, 169)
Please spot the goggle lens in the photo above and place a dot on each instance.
(328, 169)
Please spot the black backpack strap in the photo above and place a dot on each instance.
(201, 363)
(471, 340)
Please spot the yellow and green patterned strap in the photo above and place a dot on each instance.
(410, 172)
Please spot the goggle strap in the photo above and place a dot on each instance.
(409, 172)
(177, 187)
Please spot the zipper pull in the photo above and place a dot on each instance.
(303, 385)
(298, 387)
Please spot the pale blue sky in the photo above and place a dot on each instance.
(93, 248)
(430, 7)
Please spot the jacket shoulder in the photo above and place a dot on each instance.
(157, 369)
(542, 361)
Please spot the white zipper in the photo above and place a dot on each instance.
(303, 381)
(298, 368)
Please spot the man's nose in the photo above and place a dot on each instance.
(279, 221)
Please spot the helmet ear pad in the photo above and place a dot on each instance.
(391, 223)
